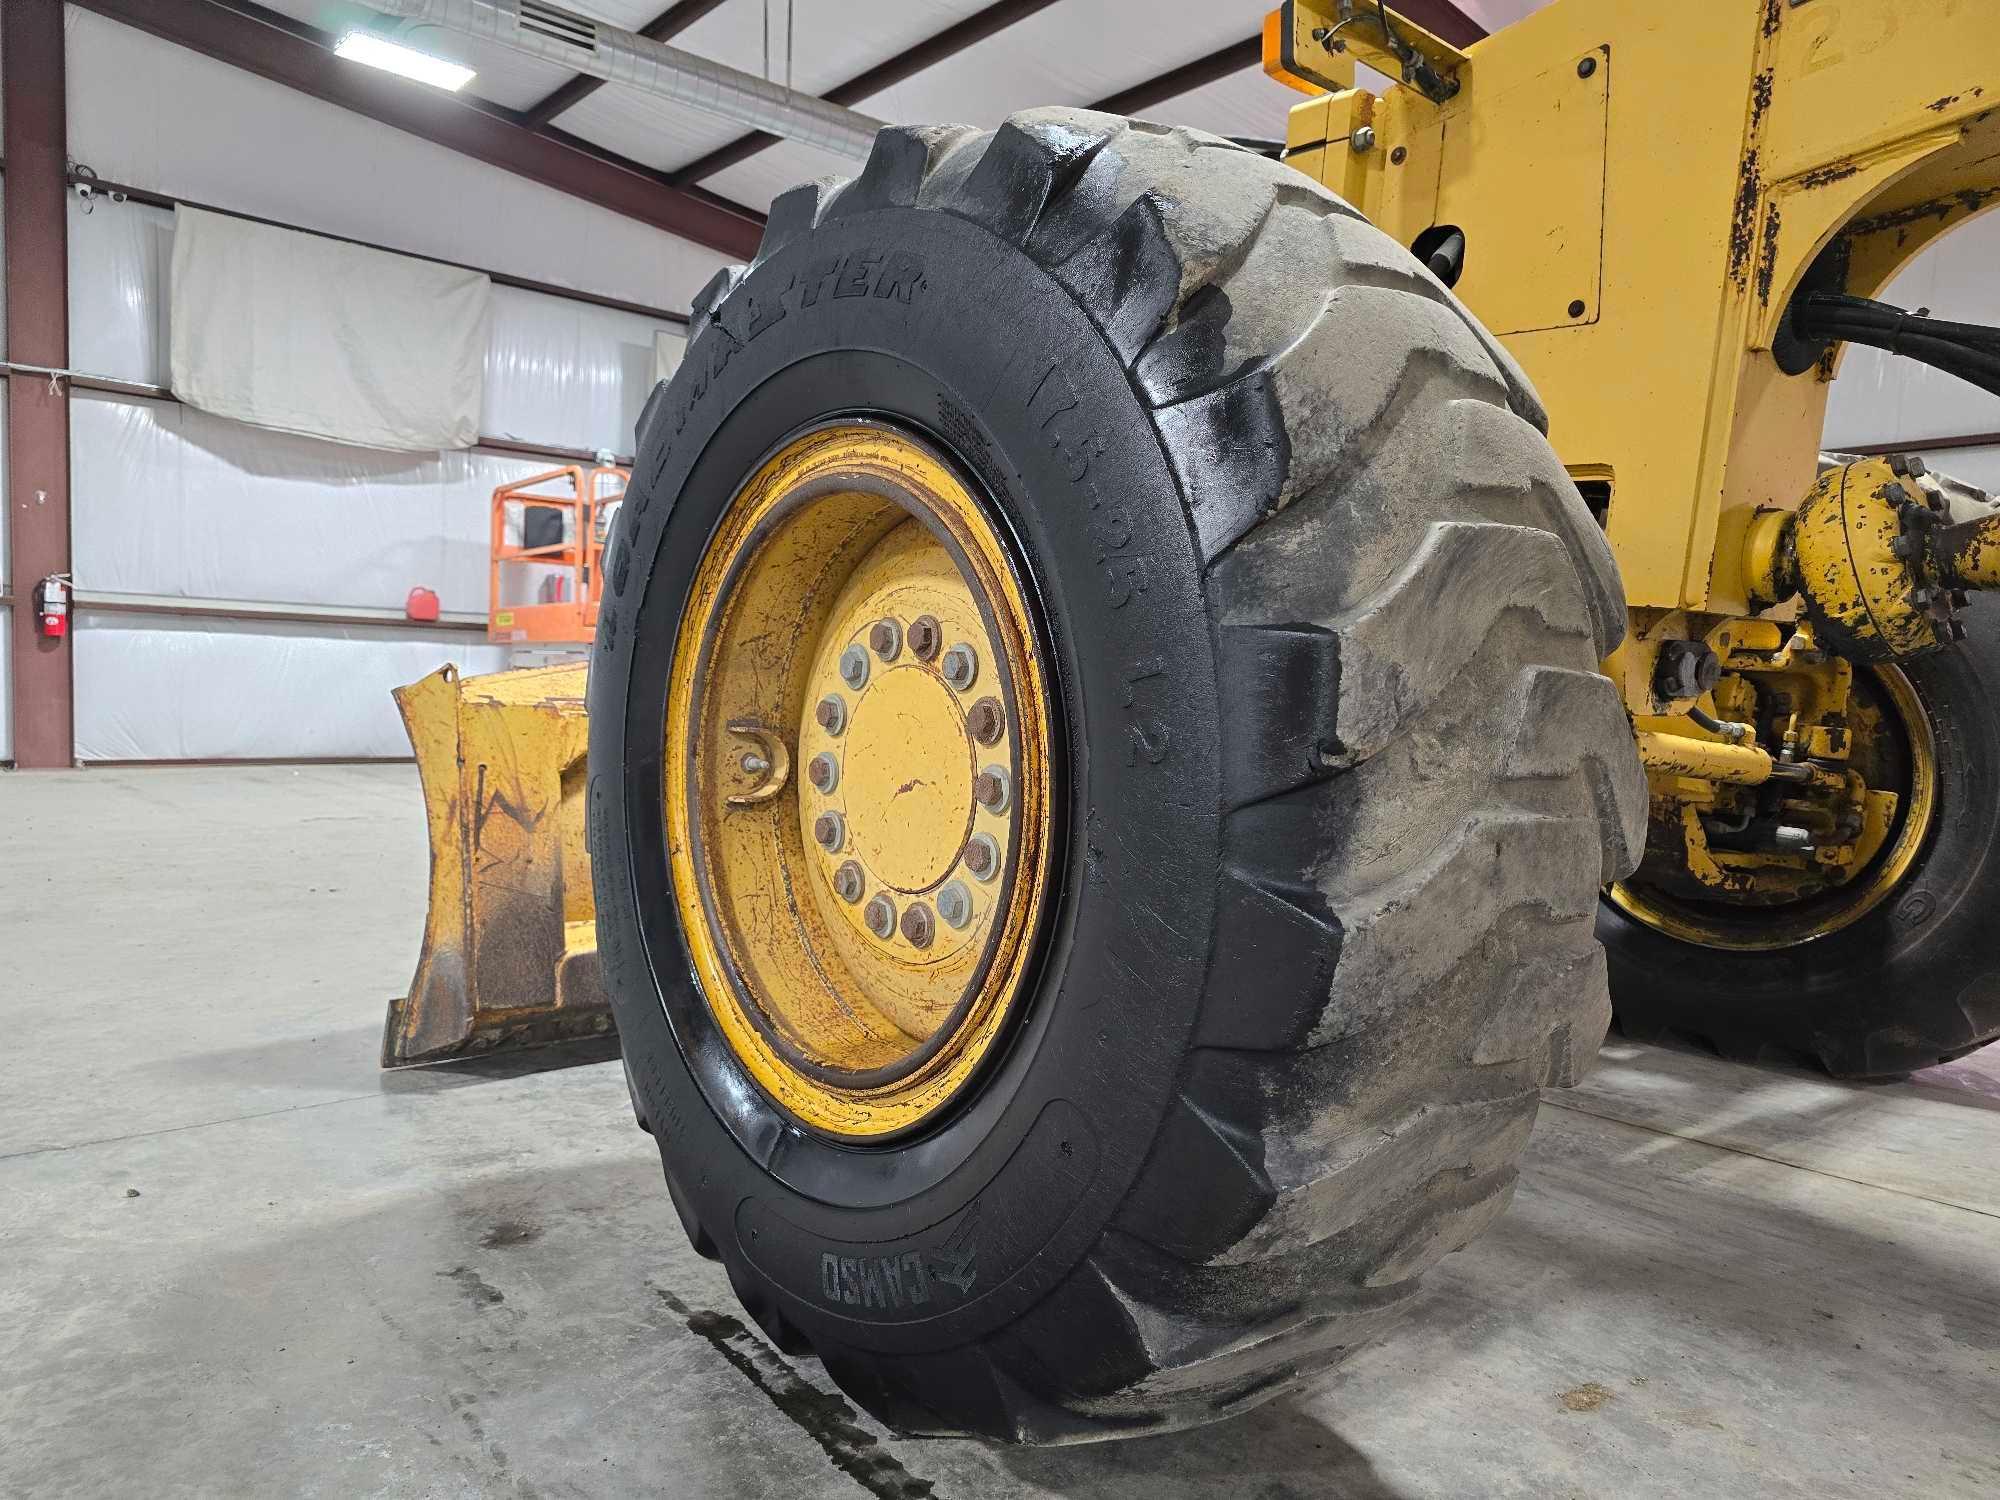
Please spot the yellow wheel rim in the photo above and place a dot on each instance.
(858, 799)
(1738, 928)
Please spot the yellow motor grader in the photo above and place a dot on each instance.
(1147, 697)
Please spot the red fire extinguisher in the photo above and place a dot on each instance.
(52, 605)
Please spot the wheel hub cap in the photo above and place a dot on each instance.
(862, 929)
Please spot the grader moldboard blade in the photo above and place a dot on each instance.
(510, 945)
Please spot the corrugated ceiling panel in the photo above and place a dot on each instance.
(1242, 104)
(831, 43)
(1071, 53)
(504, 75)
(1068, 54)
(645, 129)
(755, 182)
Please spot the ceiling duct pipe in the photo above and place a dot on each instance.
(624, 57)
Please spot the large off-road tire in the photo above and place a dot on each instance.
(1914, 982)
(1338, 779)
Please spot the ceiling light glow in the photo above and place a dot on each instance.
(366, 47)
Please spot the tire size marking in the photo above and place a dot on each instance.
(1064, 421)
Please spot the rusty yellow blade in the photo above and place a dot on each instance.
(510, 944)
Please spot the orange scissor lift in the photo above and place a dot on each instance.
(548, 536)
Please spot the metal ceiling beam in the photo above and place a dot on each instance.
(1439, 17)
(932, 50)
(247, 36)
(1443, 20)
(668, 24)
(1237, 56)
(37, 272)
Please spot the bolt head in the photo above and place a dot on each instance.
(982, 856)
(917, 926)
(885, 639)
(960, 666)
(1578, 308)
(987, 720)
(830, 714)
(1398, 156)
(1362, 139)
(1586, 67)
(830, 829)
(848, 882)
(823, 771)
(854, 667)
(954, 904)
(880, 915)
(923, 636)
(990, 788)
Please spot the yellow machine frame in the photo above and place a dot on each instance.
(1782, 126)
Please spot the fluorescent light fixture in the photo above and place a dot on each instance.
(366, 47)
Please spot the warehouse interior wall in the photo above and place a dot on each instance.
(256, 147)
(224, 569)
(199, 542)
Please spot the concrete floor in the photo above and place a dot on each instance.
(237, 1260)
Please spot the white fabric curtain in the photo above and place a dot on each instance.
(312, 335)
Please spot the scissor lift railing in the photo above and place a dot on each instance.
(542, 590)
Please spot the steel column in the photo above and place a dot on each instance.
(31, 81)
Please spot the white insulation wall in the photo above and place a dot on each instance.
(171, 689)
(6, 612)
(169, 503)
(148, 113)
(172, 501)
(559, 372)
(1878, 398)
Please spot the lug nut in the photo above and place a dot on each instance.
(986, 720)
(954, 904)
(823, 771)
(917, 926)
(960, 666)
(831, 830)
(989, 789)
(982, 856)
(880, 915)
(854, 667)
(923, 636)
(886, 639)
(847, 882)
(831, 714)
